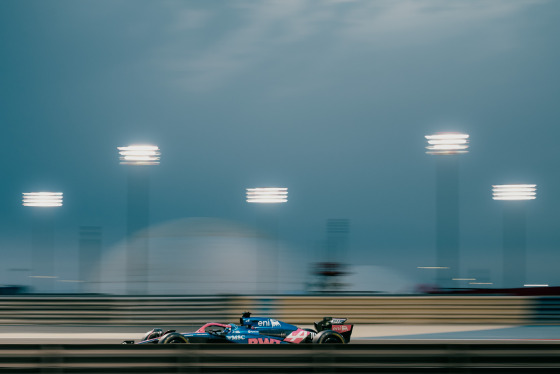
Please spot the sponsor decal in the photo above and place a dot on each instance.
(341, 328)
(269, 323)
(253, 332)
(338, 321)
(235, 337)
(297, 336)
(263, 341)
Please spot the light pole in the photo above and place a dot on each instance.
(42, 236)
(446, 146)
(138, 158)
(514, 230)
(268, 196)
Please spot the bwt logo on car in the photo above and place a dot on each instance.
(269, 323)
(263, 341)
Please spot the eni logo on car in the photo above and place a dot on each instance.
(269, 323)
(263, 341)
(341, 328)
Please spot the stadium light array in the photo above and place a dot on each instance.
(267, 195)
(514, 192)
(42, 199)
(447, 143)
(139, 155)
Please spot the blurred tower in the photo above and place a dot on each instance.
(330, 272)
(446, 146)
(337, 239)
(267, 222)
(138, 158)
(42, 236)
(90, 256)
(514, 230)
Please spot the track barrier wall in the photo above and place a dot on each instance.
(109, 310)
(385, 357)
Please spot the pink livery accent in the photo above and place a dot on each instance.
(211, 324)
(342, 328)
(297, 336)
(263, 341)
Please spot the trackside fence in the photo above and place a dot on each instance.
(380, 357)
(114, 310)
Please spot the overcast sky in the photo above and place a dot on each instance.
(331, 99)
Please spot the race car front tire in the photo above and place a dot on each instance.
(173, 338)
(328, 337)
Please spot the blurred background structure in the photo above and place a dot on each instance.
(197, 256)
(330, 270)
(514, 230)
(138, 158)
(338, 230)
(267, 223)
(42, 237)
(446, 146)
(90, 244)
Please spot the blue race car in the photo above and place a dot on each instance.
(255, 330)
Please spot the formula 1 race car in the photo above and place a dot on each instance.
(255, 330)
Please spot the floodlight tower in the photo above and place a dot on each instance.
(42, 236)
(268, 196)
(138, 158)
(514, 230)
(447, 146)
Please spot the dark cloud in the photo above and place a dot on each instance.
(331, 99)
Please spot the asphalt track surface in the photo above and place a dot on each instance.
(14, 334)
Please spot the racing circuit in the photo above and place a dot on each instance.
(378, 348)
(83, 335)
(363, 334)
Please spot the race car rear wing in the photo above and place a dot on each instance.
(335, 324)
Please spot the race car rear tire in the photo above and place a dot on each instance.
(173, 338)
(328, 337)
